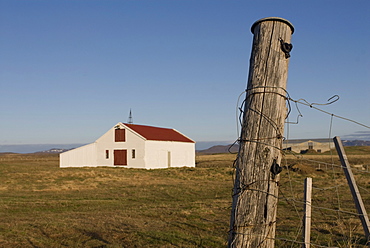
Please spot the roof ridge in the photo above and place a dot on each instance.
(158, 133)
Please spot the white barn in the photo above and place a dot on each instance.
(304, 145)
(134, 146)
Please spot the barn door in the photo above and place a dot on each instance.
(120, 157)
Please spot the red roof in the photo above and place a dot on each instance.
(158, 133)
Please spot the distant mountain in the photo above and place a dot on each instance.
(32, 148)
(55, 150)
(203, 145)
(356, 142)
(220, 149)
(235, 148)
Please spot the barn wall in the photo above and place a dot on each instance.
(79, 157)
(132, 141)
(164, 154)
(148, 154)
(316, 146)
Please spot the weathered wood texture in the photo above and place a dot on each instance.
(255, 195)
(353, 187)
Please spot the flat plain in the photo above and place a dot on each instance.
(43, 205)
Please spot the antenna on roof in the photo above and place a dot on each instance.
(130, 120)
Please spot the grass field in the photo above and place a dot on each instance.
(45, 206)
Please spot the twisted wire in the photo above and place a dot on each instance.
(292, 201)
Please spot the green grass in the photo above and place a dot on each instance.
(45, 206)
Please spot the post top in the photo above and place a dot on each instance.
(273, 19)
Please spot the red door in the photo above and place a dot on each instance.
(120, 157)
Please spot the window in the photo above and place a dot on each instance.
(106, 154)
(310, 145)
(119, 135)
(133, 153)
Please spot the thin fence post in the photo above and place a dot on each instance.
(353, 187)
(307, 212)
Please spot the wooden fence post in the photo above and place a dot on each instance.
(307, 212)
(353, 187)
(255, 194)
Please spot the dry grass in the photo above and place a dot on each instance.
(45, 206)
(331, 198)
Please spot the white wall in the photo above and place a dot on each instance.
(79, 157)
(316, 146)
(148, 154)
(181, 154)
(133, 141)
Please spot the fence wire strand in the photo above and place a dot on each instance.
(288, 194)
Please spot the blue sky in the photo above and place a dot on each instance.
(70, 70)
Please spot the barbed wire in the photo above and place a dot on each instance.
(296, 210)
(324, 208)
(292, 200)
(300, 157)
(285, 239)
(311, 105)
(289, 99)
